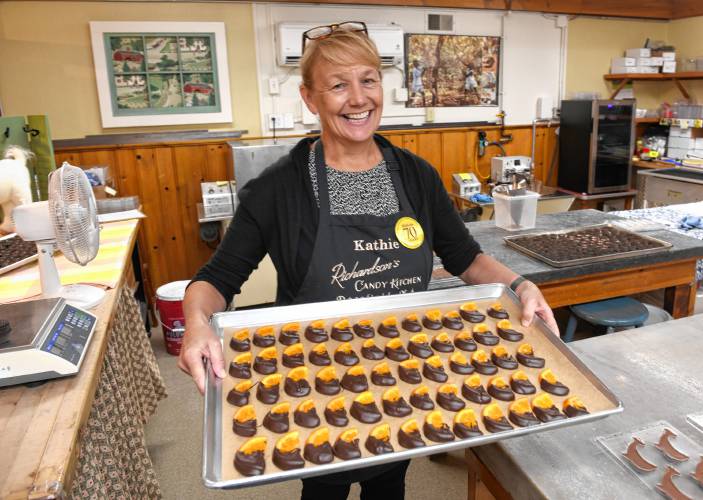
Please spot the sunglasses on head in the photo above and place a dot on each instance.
(320, 32)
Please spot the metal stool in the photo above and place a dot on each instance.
(620, 312)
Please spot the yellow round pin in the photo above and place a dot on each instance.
(409, 232)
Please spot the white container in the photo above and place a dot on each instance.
(623, 61)
(515, 212)
(639, 52)
(669, 66)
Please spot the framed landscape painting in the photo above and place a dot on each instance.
(161, 73)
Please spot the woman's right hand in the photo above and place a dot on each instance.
(201, 342)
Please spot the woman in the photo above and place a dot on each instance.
(345, 216)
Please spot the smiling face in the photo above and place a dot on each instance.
(348, 100)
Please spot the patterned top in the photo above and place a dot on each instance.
(357, 193)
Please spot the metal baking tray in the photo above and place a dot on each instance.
(19, 263)
(214, 406)
(511, 242)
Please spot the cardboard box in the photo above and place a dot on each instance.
(669, 67)
(625, 69)
(644, 61)
(657, 61)
(649, 69)
(681, 142)
(676, 153)
(623, 61)
(640, 52)
(680, 132)
(668, 56)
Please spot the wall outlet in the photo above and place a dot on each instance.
(280, 121)
(274, 87)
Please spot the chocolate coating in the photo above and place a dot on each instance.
(572, 411)
(472, 316)
(319, 359)
(367, 414)
(431, 324)
(382, 378)
(292, 361)
(250, 464)
(373, 352)
(557, 389)
(487, 368)
(309, 419)
(267, 395)
(296, 388)
(346, 358)
(265, 366)
(264, 340)
(498, 314)
(342, 334)
(452, 323)
(363, 331)
(530, 361)
(441, 435)
(420, 349)
(329, 388)
(476, 395)
(523, 419)
(463, 431)
(355, 383)
(411, 326)
(338, 418)
(421, 402)
(497, 425)
(522, 386)
(277, 422)
(460, 369)
(346, 450)
(238, 398)
(240, 370)
(246, 428)
(410, 440)
(502, 393)
(442, 346)
(506, 362)
(240, 345)
(450, 402)
(397, 408)
(318, 454)
(465, 344)
(288, 461)
(510, 334)
(549, 414)
(390, 332)
(409, 375)
(378, 446)
(434, 374)
(288, 337)
(399, 354)
(316, 335)
(486, 338)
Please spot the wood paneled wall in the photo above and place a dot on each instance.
(167, 178)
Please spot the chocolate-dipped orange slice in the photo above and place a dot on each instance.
(305, 415)
(574, 407)
(520, 383)
(341, 331)
(452, 320)
(494, 420)
(268, 388)
(249, 458)
(355, 380)
(464, 341)
(411, 323)
(506, 331)
(239, 394)
(497, 311)
(379, 440)
(442, 343)
(289, 334)
(393, 403)
(286, 453)
(409, 435)
(345, 355)
(448, 397)
(549, 383)
(318, 449)
(409, 371)
(420, 398)
(327, 382)
(264, 337)
(369, 350)
(483, 365)
(364, 409)
(335, 412)
(419, 346)
(465, 424)
(346, 446)
(502, 358)
(544, 408)
(240, 367)
(293, 356)
(389, 327)
(240, 341)
(318, 355)
(277, 419)
(395, 350)
(473, 390)
(381, 374)
(520, 413)
(526, 356)
(499, 389)
(364, 328)
(469, 311)
(459, 364)
(435, 429)
(244, 421)
(266, 362)
(483, 335)
(432, 319)
(296, 384)
(433, 369)
(315, 332)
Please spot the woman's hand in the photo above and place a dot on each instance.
(533, 303)
(201, 342)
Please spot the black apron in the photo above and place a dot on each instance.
(361, 256)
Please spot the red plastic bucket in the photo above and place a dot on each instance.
(169, 302)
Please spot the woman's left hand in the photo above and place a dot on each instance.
(533, 302)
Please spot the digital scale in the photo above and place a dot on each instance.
(42, 339)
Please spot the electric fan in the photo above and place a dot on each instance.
(69, 220)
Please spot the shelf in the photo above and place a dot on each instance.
(625, 78)
(647, 120)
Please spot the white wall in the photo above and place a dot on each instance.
(531, 66)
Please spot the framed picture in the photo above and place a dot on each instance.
(161, 73)
(452, 70)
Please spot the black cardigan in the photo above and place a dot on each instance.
(277, 214)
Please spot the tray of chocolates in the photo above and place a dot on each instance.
(15, 252)
(319, 388)
(584, 245)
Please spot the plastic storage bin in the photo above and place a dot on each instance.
(515, 212)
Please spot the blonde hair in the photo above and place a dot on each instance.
(341, 47)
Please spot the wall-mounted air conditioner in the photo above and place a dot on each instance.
(387, 37)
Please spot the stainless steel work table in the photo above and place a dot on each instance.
(656, 371)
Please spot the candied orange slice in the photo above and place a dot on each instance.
(390, 321)
(543, 401)
(293, 350)
(479, 356)
(319, 437)
(268, 353)
(395, 343)
(442, 337)
(317, 324)
(349, 436)
(265, 331)
(288, 442)
(327, 374)
(346, 348)
(481, 328)
(381, 368)
(435, 361)
(574, 402)
(392, 395)
(365, 322)
(548, 375)
(320, 349)
(505, 324)
(448, 389)
(381, 432)
(421, 391)
(452, 315)
(355, 371)
(498, 382)
(411, 317)
(298, 373)
(291, 327)
(467, 416)
(458, 358)
(365, 398)
(336, 404)
(434, 314)
(241, 335)
(419, 338)
(500, 351)
(469, 306)
(257, 443)
(520, 406)
(306, 406)
(271, 380)
(245, 413)
(472, 380)
(281, 408)
(368, 343)
(342, 324)
(492, 411)
(410, 364)
(434, 418)
(464, 335)
(243, 359)
(497, 306)
(243, 386)
(526, 349)
(409, 426)
(519, 375)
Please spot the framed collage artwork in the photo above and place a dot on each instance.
(161, 73)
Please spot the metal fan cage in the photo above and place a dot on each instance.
(74, 214)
